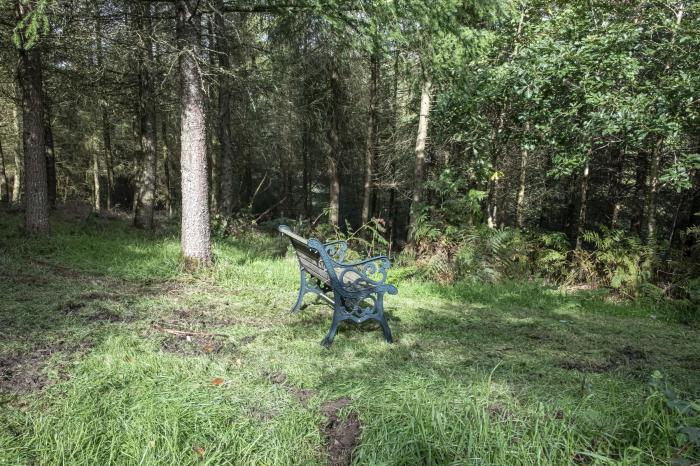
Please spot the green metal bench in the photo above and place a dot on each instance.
(358, 288)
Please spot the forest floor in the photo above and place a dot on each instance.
(111, 354)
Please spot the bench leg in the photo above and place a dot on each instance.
(302, 291)
(382, 320)
(328, 340)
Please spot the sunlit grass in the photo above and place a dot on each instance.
(515, 373)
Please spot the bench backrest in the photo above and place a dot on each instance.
(309, 258)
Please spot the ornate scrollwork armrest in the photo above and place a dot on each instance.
(368, 273)
(336, 250)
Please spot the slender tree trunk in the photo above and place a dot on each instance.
(652, 190)
(96, 185)
(195, 234)
(166, 167)
(581, 223)
(5, 193)
(106, 124)
(639, 193)
(393, 211)
(616, 188)
(143, 217)
(421, 140)
(334, 142)
(494, 182)
(306, 170)
(371, 142)
(520, 202)
(19, 166)
(36, 193)
(50, 163)
(654, 166)
(224, 121)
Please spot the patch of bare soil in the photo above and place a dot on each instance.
(193, 345)
(628, 357)
(342, 435)
(24, 372)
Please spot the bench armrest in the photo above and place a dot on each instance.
(370, 272)
(336, 249)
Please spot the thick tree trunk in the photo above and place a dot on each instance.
(520, 201)
(224, 121)
(195, 234)
(334, 143)
(5, 193)
(421, 140)
(19, 166)
(143, 216)
(371, 142)
(36, 193)
(581, 223)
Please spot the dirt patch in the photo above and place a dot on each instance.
(21, 373)
(280, 378)
(24, 372)
(190, 345)
(628, 357)
(342, 435)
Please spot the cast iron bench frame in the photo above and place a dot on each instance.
(358, 287)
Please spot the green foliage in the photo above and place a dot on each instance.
(32, 25)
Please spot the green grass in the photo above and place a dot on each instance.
(507, 374)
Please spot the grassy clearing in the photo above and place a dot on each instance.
(480, 374)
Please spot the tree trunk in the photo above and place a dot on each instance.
(371, 142)
(195, 234)
(581, 223)
(50, 163)
(36, 193)
(520, 202)
(334, 142)
(652, 190)
(166, 167)
(96, 185)
(19, 168)
(639, 193)
(616, 188)
(224, 121)
(494, 182)
(421, 139)
(143, 217)
(106, 125)
(5, 193)
(653, 181)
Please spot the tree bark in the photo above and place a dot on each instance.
(652, 190)
(371, 142)
(639, 193)
(421, 140)
(36, 193)
(224, 121)
(19, 168)
(5, 193)
(195, 234)
(50, 163)
(334, 143)
(96, 185)
(494, 182)
(143, 216)
(106, 124)
(616, 188)
(520, 202)
(166, 167)
(581, 223)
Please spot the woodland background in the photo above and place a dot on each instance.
(480, 139)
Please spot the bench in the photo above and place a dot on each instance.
(358, 288)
